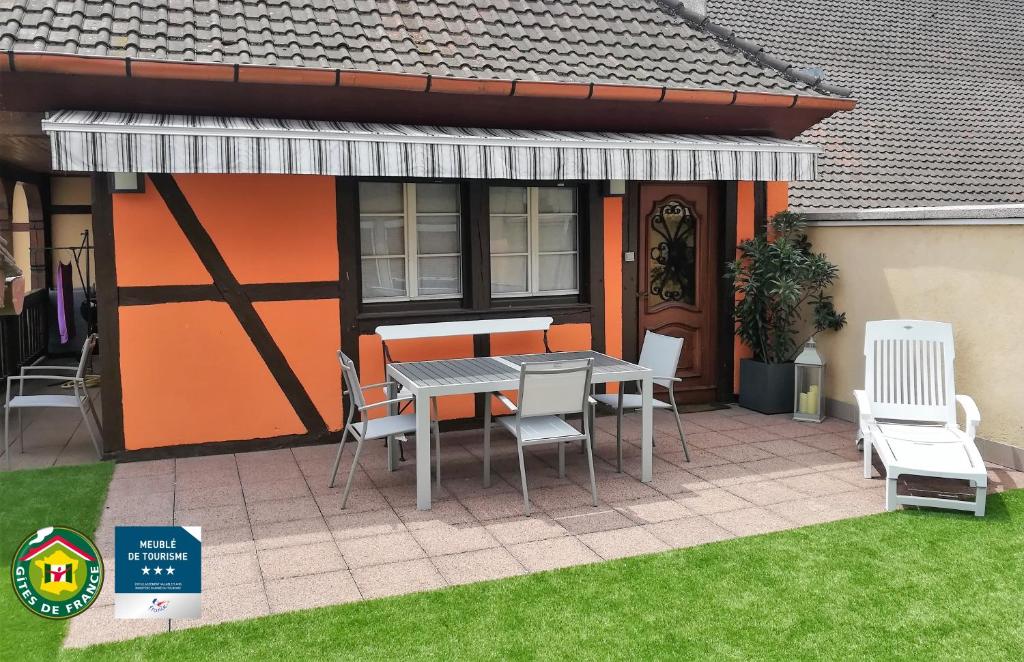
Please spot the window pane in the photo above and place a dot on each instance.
(435, 198)
(440, 275)
(557, 232)
(556, 200)
(508, 274)
(380, 198)
(381, 235)
(509, 234)
(437, 234)
(383, 277)
(557, 272)
(508, 200)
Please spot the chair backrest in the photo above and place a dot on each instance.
(87, 347)
(908, 370)
(554, 387)
(661, 354)
(351, 377)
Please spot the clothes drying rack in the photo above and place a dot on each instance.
(80, 253)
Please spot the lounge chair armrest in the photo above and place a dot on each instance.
(864, 407)
(27, 368)
(503, 399)
(971, 414)
(58, 378)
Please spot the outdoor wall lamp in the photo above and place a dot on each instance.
(615, 187)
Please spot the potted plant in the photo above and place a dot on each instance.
(778, 279)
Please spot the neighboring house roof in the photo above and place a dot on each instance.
(940, 91)
(636, 42)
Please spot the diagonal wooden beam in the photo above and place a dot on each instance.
(235, 296)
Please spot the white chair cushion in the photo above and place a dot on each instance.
(629, 401)
(22, 401)
(387, 426)
(540, 429)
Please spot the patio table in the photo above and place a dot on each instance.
(431, 379)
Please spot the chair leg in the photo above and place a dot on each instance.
(867, 457)
(890, 494)
(487, 439)
(590, 464)
(618, 434)
(522, 476)
(7, 434)
(679, 422)
(979, 501)
(21, 432)
(97, 444)
(351, 474)
(337, 458)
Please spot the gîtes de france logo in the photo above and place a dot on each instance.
(57, 572)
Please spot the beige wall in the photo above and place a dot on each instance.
(970, 276)
(20, 247)
(66, 229)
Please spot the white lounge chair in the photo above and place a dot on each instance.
(908, 412)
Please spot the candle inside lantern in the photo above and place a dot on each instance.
(812, 400)
(803, 403)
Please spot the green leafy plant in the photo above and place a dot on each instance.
(778, 279)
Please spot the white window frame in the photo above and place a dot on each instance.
(533, 253)
(411, 256)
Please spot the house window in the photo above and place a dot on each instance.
(410, 243)
(534, 241)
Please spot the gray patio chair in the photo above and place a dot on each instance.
(80, 400)
(547, 392)
(661, 354)
(374, 428)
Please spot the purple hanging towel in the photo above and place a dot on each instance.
(65, 302)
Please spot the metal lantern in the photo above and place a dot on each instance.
(809, 382)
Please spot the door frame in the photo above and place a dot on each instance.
(726, 251)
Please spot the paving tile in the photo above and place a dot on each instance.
(688, 532)
(140, 469)
(397, 578)
(358, 501)
(709, 440)
(194, 481)
(378, 550)
(726, 474)
(208, 497)
(306, 531)
(588, 519)
(784, 447)
(765, 492)
(744, 452)
(567, 495)
(225, 541)
(218, 517)
(625, 488)
(203, 464)
(290, 488)
(553, 553)
(621, 543)
(826, 441)
(777, 467)
(228, 603)
(715, 500)
(678, 482)
(97, 625)
(816, 484)
(521, 529)
(698, 458)
(653, 509)
(443, 539)
(749, 435)
(298, 560)
(750, 521)
(449, 512)
(349, 526)
(494, 506)
(794, 430)
(719, 423)
(230, 570)
(126, 487)
(809, 510)
(309, 591)
(265, 512)
(477, 566)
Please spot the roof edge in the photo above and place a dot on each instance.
(703, 23)
(126, 67)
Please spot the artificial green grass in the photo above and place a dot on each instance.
(907, 585)
(30, 500)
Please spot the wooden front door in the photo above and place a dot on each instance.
(678, 288)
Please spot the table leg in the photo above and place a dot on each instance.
(422, 452)
(647, 431)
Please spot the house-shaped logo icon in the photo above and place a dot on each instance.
(57, 572)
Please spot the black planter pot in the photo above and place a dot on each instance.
(766, 387)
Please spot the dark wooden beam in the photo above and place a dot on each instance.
(727, 300)
(760, 207)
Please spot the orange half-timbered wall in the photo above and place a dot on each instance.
(228, 308)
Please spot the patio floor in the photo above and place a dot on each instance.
(275, 538)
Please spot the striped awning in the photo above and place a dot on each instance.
(83, 141)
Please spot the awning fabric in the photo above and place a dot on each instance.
(83, 141)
